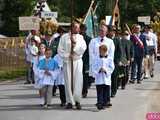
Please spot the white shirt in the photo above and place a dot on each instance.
(151, 39)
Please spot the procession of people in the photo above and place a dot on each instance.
(73, 62)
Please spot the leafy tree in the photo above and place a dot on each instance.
(64, 8)
(129, 10)
(12, 10)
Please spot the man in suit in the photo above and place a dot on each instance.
(86, 78)
(139, 44)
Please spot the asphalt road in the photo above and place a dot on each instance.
(21, 102)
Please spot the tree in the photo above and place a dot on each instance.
(12, 10)
(129, 10)
(64, 8)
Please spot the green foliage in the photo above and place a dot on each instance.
(12, 10)
(129, 10)
(12, 74)
(63, 7)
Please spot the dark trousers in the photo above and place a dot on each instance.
(128, 72)
(122, 79)
(62, 93)
(114, 78)
(85, 83)
(54, 90)
(103, 94)
(136, 70)
(30, 75)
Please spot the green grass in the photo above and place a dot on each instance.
(12, 74)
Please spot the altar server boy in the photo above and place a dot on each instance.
(103, 68)
(60, 79)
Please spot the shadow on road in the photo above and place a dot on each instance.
(152, 89)
(89, 108)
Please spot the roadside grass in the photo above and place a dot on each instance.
(10, 74)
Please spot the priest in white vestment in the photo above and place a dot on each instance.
(64, 50)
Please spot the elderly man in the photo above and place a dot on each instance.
(139, 44)
(64, 50)
(103, 95)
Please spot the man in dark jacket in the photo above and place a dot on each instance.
(139, 43)
(86, 78)
(127, 55)
(117, 58)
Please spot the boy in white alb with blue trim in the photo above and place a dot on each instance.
(47, 70)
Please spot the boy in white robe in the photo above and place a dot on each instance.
(60, 80)
(102, 69)
(47, 75)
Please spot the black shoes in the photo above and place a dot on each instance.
(113, 95)
(27, 82)
(131, 81)
(152, 75)
(84, 95)
(78, 106)
(69, 106)
(123, 88)
(108, 105)
(63, 104)
(139, 82)
(100, 107)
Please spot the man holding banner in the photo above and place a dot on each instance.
(73, 96)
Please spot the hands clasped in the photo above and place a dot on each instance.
(102, 70)
(47, 73)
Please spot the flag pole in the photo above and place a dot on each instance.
(126, 25)
(88, 11)
(72, 4)
(115, 14)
